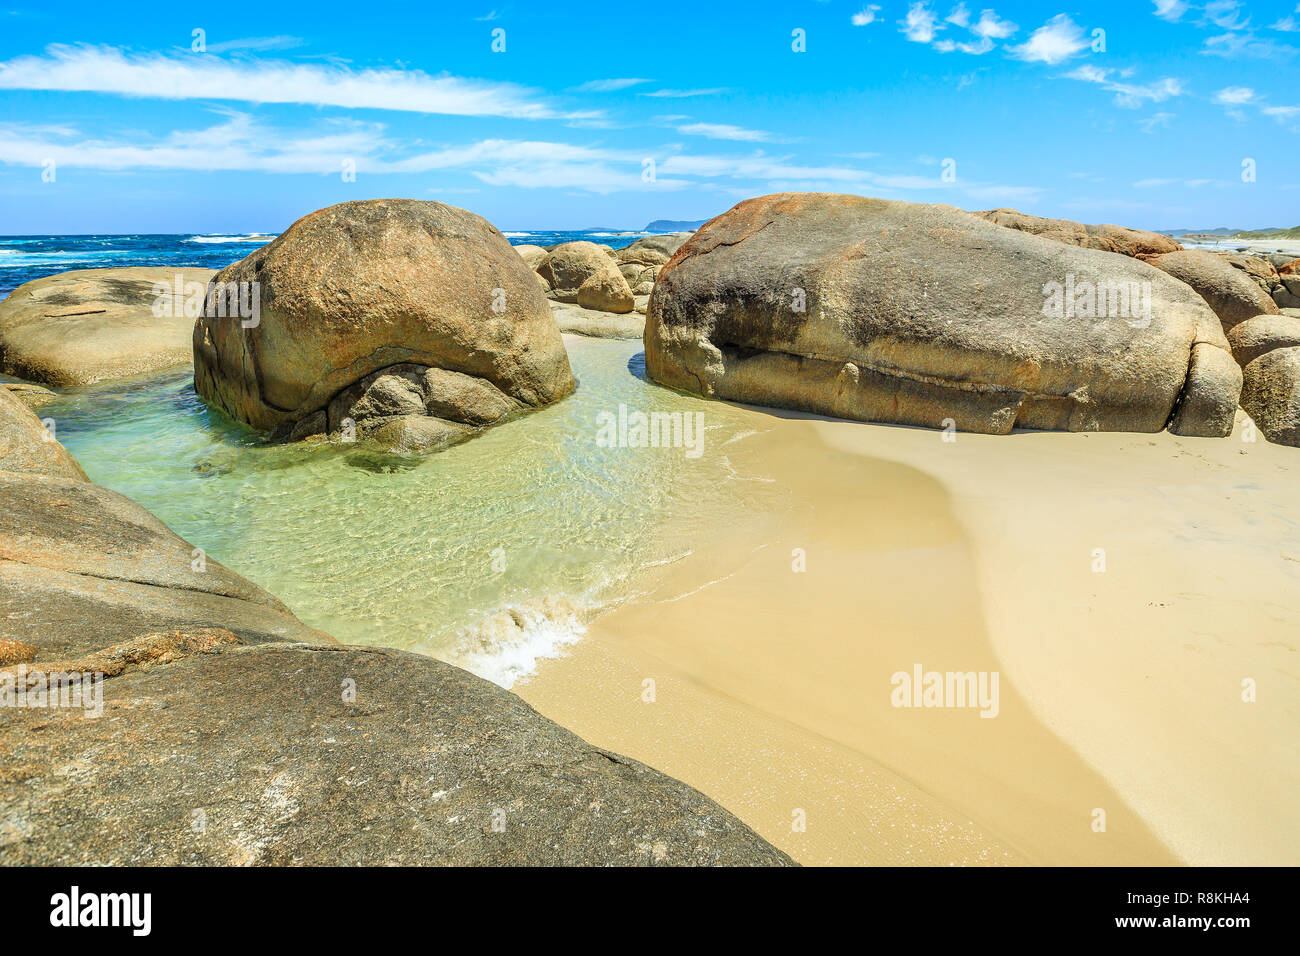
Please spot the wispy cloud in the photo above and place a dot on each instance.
(239, 142)
(1155, 121)
(1171, 10)
(1288, 23)
(255, 44)
(207, 77)
(682, 94)
(1128, 95)
(609, 86)
(724, 131)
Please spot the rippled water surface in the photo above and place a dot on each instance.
(489, 554)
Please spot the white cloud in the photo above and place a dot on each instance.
(866, 16)
(1155, 121)
(681, 94)
(608, 86)
(206, 77)
(918, 26)
(1234, 96)
(1246, 44)
(724, 131)
(922, 26)
(991, 27)
(1288, 23)
(1055, 41)
(983, 45)
(1171, 10)
(256, 43)
(1128, 95)
(1226, 14)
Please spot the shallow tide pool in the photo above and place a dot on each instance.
(489, 554)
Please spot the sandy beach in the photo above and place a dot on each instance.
(1122, 586)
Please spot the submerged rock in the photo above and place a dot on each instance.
(362, 287)
(96, 325)
(926, 315)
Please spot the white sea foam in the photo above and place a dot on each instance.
(250, 237)
(516, 235)
(506, 646)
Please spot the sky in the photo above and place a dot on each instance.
(241, 117)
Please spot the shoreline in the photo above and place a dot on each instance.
(992, 575)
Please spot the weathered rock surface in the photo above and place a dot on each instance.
(426, 765)
(357, 288)
(95, 325)
(33, 396)
(1232, 295)
(1271, 395)
(1258, 268)
(419, 434)
(652, 250)
(914, 314)
(382, 409)
(1107, 238)
(532, 255)
(601, 325)
(606, 292)
(1264, 333)
(570, 265)
(1208, 404)
(26, 445)
(223, 731)
(82, 567)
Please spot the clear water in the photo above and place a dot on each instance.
(489, 554)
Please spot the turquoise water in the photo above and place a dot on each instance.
(489, 554)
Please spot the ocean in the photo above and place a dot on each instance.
(492, 554)
(23, 258)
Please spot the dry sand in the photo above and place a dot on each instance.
(1119, 690)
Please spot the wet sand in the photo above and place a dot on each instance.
(1120, 690)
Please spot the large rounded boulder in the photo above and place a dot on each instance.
(1233, 295)
(926, 315)
(100, 325)
(352, 290)
(1261, 335)
(572, 265)
(1271, 396)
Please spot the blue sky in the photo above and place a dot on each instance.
(610, 115)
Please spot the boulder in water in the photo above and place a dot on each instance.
(355, 289)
